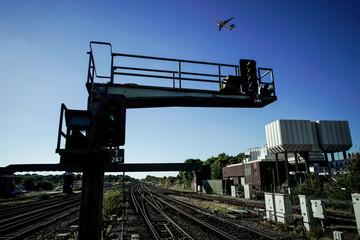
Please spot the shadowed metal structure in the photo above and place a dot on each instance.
(128, 167)
(169, 82)
(136, 81)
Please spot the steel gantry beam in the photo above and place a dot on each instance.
(126, 167)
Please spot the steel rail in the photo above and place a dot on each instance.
(210, 227)
(21, 223)
(17, 199)
(142, 191)
(37, 228)
(261, 235)
(38, 211)
(258, 204)
(27, 207)
(163, 215)
(143, 199)
(143, 213)
(166, 217)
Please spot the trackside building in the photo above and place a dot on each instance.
(293, 149)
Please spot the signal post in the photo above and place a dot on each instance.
(91, 202)
(104, 121)
(105, 132)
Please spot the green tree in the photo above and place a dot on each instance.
(352, 179)
(171, 180)
(127, 179)
(346, 184)
(44, 185)
(152, 179)
(210, 161)
(334, 190)
(313, 186)
(240, 158)
(28, 183)
(187, 177)
(216, 170)
(222, 160)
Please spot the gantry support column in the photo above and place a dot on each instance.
(277, 169)
(91, 203)
(332, 156)
(287, 168)
(344, 155)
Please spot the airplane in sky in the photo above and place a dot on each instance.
(224, 24)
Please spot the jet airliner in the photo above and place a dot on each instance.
(224, 24)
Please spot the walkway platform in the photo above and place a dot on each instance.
(138, 96)
(148, 81)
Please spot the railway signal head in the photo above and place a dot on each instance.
(249, 76)
(111, 121)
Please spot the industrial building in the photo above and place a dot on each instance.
(293, 149)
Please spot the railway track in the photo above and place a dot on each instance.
(221, 227)
(159, 223)
(334, 216)
(23, 198)
(20, 221)
(210, 224)
(17, 209)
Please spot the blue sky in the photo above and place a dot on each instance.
(312, 46)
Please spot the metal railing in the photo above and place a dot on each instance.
(175, 74)
(60, 132)
(263, 75)
(74, 120)
(92, 69)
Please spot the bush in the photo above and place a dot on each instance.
(316, 233)
(28, 183)
(43, 196)
(112, 202)
(313, 186)
(240, 189)
(44, 185)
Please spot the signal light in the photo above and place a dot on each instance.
(111, 121)
(249, 76)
